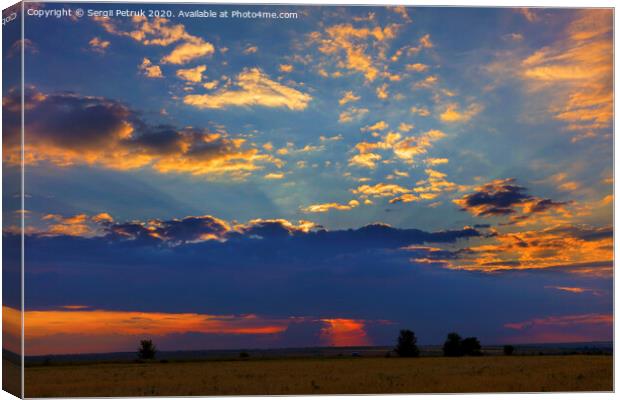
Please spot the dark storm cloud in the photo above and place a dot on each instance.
(66, 128)
(498, 197)
(503, 197)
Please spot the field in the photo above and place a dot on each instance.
(323, 376)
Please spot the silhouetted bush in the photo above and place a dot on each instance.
(244, 354)
(407, 344)
(508, 350)
(471, 346)
(452, 346)
(147, 350)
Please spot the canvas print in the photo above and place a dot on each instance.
(229, 199)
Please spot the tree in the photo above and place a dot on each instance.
(508, 350)
(452, 347)
(407, 344)
(147, 350)
(471, 346)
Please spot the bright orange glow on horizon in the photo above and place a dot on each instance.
(345, 332)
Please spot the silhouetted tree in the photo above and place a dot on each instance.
(147, 350)
(508, 350)
(407, 344)
(452, 347)
(471, 346)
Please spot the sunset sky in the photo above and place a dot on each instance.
(318, 181)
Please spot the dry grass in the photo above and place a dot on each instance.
(322, 376)
(11, 378)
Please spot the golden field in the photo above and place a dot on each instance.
(323, 376)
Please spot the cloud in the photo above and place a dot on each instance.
(348, 47)
(530, 14)
(351, 114)
(380, 190)
(427, 82)
(402, 11)
(428, 189)
(436, 161)
(150, 70)
(189, 51)
(502, 197)
(348, 97)
(325, 207)
(404, 127)
(576, 72)
(99, 46)
(569, 249)
(344, 332)
(452, 113)
(564, 328)
(210, 85)
(160, 32)
(421, 111)
(378, 126)
(76, 225)
(274, 175)
(404, 148)
(515, 37)
(382, 92)
(279, 259)
(498, 197)
(417, 67)
(250, 50)
(285, 68)
(575, 290)
(68, 129)
(192, 74)
(254, 88)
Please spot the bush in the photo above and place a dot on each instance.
(407, 344)
(452, 346)
(457, 347)
(508, 350)
(147, 350)
(471, 346)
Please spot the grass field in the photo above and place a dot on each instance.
(323, 376)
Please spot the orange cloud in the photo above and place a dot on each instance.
(428, 189)
(189, 51)
(453, 114)
(380, 190)
(76, 225)
(577, 72)
(161, 32)
(403, 148)
(286, 68)
(325, 207)
(99, 46)
(150, 70)
(112, 136)
(349, 45)
(578, 250)
(192, 74)
(417, 67)
(348, 97)
(255, 88)
(344, 332)
(421, 111)
(352, 114)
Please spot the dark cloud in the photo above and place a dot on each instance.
(498, 197)
(66, 128)
(503, 197)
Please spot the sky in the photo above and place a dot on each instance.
(324, 180)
